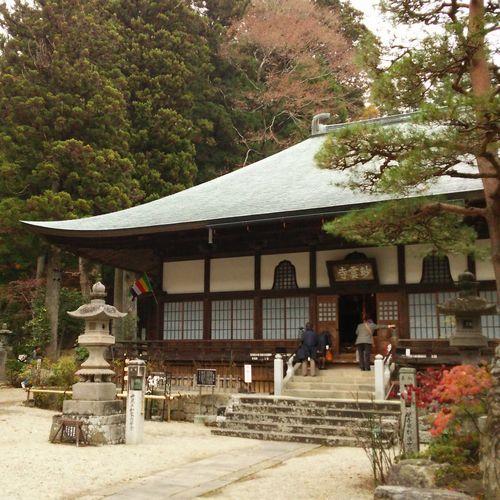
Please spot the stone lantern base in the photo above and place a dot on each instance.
(94, 415)
(103, 422)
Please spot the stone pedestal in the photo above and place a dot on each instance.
(103, 422)
(94, 402)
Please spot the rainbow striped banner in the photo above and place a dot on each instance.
(140, 286)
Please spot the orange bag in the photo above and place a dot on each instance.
(329, 355)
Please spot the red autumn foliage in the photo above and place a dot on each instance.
(452, 393)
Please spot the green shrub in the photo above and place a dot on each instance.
(14, 368)
(63, 372)
(50, 401)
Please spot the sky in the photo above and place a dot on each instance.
(382, 26)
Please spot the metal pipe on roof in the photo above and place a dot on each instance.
(316, 126)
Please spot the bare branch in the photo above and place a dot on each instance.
(463, 175)
(435, 208)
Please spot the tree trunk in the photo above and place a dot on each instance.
(125, 328)
(53, 288)
(493, 218)
(490, 439)
(40, 266)
(481, 87)
(89, 274)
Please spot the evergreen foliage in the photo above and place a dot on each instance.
(63, 129)
(451, 78)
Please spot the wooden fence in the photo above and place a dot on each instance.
(229, 379)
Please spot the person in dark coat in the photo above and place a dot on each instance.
(324, 343)
(308, 348)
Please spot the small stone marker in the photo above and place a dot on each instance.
(409, 416)
(134, 416)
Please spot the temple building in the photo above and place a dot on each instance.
(241, 262)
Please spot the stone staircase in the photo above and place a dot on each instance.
(336, 408)
(337, 382)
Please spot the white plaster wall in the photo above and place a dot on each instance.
(385, 257)
(458, 264)
(484, 267)
(183, 276)
(413, 262)
(233, 274)
(299, 260)
(414, 255)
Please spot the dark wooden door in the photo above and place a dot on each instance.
(388, 313)
(327, 318)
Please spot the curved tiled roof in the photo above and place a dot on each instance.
(286, 184)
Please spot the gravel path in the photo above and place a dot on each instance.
(32, 467)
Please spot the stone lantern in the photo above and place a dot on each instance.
(468, 308)
(4, 334)
(94, 401)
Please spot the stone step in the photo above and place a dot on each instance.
(317, 430)
(337, 421)
(337, 378)
(330, 422)
(296, 403)
(313, 411)
(342, 369)
(314, 393)
(333, 386)
(340, 440)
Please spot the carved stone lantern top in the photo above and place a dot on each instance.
(97, 309)
(467, 302)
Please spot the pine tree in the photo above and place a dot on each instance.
(64, 126)
(451, 78)
(177, 120)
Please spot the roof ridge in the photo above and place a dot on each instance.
(381, 120)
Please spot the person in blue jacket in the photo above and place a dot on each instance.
(308, 349)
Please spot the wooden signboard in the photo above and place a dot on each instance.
(206, 377)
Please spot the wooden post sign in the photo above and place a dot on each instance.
(206, 377)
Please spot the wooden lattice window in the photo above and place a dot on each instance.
(388, 310)
(424, 318)
(436, 269)
(285, 277)
(283, 317)
(183, 320)
(232, 319)
(327, 311)
(490, 324)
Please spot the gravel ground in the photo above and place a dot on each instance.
(32, 467)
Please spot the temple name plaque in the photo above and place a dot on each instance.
(346, 271)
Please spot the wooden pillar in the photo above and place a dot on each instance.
(404, 321)
(401, 265)
(313, 283)
(257, 272)
(207, 306)
(312, 268)
(257, 303)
